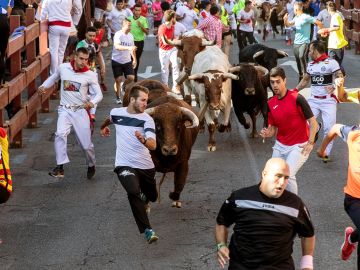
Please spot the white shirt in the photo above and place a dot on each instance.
(60, 10)
(243, 15)
(190, 17)
(129, 150)
(117, 16)
(123, 39)
(322, 75)
(179, 29)
(75, 86)
(229, 6)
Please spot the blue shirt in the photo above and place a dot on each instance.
(4, 4)
(303, 28)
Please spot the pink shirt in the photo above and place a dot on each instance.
(156, 6)
(212, 28)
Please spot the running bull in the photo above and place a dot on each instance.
(176, 127)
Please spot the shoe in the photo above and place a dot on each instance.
(346, 247)
(103, 87)
(143, 197)
(118, 101)
(57, 172)
(317, 132)
(90, 172)
(325, 159)
(150, 236)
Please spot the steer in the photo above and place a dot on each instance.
(210, 81)
(176, 127)
(156, 89)
(262, 55)
(248, 94)
(188, 45)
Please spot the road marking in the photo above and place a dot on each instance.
(148, 74)
(292, 64)
(249, 152)
(48, 121)
(18, 159)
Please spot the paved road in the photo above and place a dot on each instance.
(80, 224)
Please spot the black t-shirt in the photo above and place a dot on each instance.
(265, 228)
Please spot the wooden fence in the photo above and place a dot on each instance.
(29, 60)
(351, 12)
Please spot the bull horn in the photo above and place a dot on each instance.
(203, 111)
(208, 42)
(262, 69)
(182, 78)
(282, 53)
(259, 53)
(173, 42)
(195, 76)
(234, 69)
(192, 116)
(230, 76)
(150, 111)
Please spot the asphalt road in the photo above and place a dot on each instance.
(75, 223)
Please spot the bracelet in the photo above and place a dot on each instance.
(306, 262)
(220, 245)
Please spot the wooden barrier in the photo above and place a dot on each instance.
(34, 43)
(351, 12)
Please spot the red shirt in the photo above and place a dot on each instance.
(290, 115)
(168, 33)
(99, 36)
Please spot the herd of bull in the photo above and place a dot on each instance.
(217, 86)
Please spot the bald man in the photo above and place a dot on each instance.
(267, 217)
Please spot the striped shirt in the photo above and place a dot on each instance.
(212, 28)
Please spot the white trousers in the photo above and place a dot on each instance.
(79, 120)
(327, 109)
(167, 57)
(293, 157)
(58, 37)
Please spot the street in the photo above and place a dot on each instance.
(77, 223)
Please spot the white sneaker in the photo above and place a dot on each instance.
(118, 101)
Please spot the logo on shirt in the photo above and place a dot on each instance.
(71, 86)
(323, 68)
(126, 173)
(275, 107)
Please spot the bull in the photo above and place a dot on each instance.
(188, 45)
(210, 81)
(176, 127)
(262, 55)
(248, 94)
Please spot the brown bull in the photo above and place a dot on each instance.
(176, 127)
(156, 89)
(188, 45)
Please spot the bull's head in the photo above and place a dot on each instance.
(268, 58)
(170, 123)
(249, 76)
(188, 47)
(213, 86)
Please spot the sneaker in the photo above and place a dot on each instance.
(90, 172)
(118, 101)
(346, 247)
(150, 236)
(57, 172)
(143, 197)
(325, 159)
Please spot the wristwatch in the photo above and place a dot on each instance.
(220, 245)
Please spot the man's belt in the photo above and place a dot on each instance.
(74, 108)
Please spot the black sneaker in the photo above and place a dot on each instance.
(57, 172)
(90, 172)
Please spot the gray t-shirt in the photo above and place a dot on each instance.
(129, 150)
